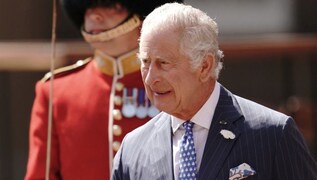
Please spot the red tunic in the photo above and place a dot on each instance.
(87, 118)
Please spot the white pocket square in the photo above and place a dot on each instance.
(240, 172)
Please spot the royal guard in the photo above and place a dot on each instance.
(96, 101)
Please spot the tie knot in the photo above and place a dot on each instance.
(188, 125)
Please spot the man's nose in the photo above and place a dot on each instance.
(152, 75)
(96, 17)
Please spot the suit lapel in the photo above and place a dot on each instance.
(217, 147)
(162, 146)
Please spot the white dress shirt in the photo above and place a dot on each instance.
(202, 120)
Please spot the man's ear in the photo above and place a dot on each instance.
(206, 67)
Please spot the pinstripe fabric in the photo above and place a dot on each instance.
(265, 139)
(146, 152)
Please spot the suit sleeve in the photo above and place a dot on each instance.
(293, 160)
(38, 138)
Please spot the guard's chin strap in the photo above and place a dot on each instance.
(107, 35)
(50, 103)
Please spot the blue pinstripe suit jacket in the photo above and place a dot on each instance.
(265, 139)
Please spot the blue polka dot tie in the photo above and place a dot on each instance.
(187, 167)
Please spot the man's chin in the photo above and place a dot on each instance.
(163, 107)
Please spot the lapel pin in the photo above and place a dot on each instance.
(223, 122)
(227, 134)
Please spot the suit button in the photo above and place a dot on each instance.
(117, 131)
(117, 114)
(119, 86)
(117, 100)
(116, 145)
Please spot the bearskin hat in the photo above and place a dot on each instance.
(76, 8)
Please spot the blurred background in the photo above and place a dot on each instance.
(270, 52)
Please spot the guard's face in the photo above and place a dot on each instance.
(100, 19)
(170, 83)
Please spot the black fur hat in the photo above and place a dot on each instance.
(76, 8)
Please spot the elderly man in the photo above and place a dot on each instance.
(203, 131)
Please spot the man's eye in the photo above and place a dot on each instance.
(144, 61)
(165, 65)
(164, 62)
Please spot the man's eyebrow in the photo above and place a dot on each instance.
(142, 55)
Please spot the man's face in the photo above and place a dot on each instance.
(100, 19)
(170, 82)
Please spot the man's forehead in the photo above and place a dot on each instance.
(159, 38)
(142, 55)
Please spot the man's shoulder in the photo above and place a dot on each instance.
(255, 112)
(149, 127)
(66, 70)
(250, 107)
(253, 105)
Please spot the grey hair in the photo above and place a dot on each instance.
(199, 32)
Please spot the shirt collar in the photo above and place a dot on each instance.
(204, 116)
